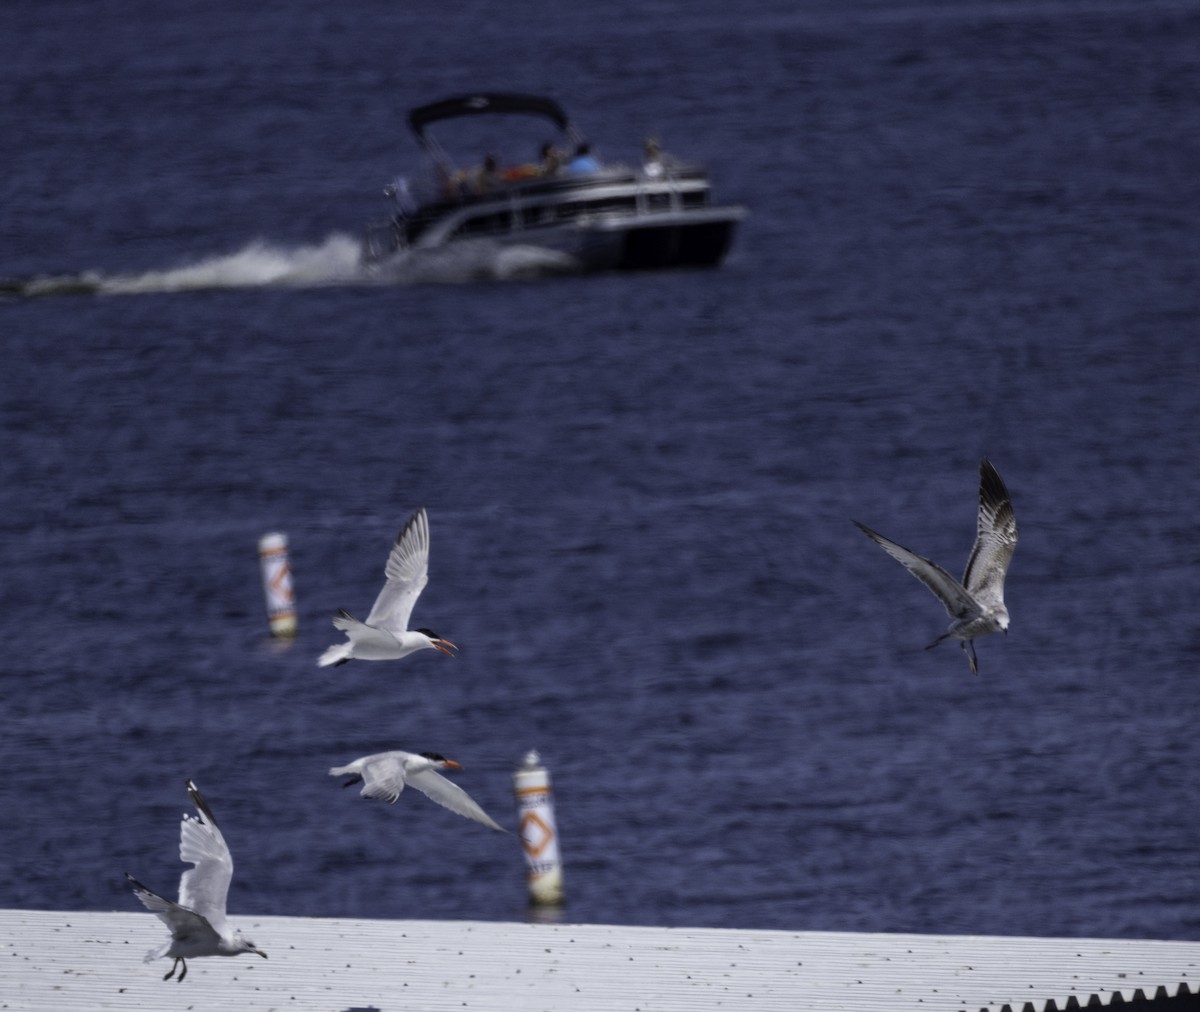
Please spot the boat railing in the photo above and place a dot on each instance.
(417, 198)
(613, 193)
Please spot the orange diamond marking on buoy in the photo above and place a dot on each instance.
(280, 584)
(530, 840)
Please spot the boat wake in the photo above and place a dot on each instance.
(334, 262)
(472, 260)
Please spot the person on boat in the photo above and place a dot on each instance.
(583, 161)
(488, 175)
(450, 184)
(551, 159)
(655, 164)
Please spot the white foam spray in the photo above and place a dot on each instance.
(258, 265)
(335, 261)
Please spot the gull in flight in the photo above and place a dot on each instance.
(197, 921)
(384, 775)
(385, 635)
(976, 604)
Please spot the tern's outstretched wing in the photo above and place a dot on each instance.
(996, 540)
(447, 793)
(948, 590)
(407, 573)
(204, 888)
(184, 924)
(383, 776)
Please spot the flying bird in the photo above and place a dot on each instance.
(197, 921)
(385, 774)
(976, 604)
(385, 635)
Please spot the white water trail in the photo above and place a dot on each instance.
(258, 265)
(335, 261)
(472, 260)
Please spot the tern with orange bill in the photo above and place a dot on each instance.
(385, 635)
(385, 774)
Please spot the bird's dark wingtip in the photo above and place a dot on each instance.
(197, 799)
(139, 887)
(873, 535)
(415, 519)
(990, 480)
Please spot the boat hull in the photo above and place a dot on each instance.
(678, 241)
(613, 243)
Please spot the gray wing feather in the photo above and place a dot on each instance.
(448, 794)
(204, 888)
(949, 591)
(995, 541)
(183, 923)
(383, 776)
(407, 573)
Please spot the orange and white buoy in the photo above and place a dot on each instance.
(277, 584)
(539, 834)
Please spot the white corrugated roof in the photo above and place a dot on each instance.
(67, 961)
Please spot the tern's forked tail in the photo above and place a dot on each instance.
(340, 653)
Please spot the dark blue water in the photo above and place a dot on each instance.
(975, 230)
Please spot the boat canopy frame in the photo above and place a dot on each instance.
(486, 103)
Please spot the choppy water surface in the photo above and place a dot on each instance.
(973, 230)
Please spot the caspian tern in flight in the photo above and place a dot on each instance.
(197, 921)
(385, 635)
(384, 775)
(976, 604)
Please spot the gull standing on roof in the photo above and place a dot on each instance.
(384, 775)
(976, 604)
(385, 635)
(197, 921)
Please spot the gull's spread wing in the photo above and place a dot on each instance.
(995, 541)
(948, 590)
(407, 573)
(184, 924)
(204, 888)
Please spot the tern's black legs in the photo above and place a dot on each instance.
(175, 966)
